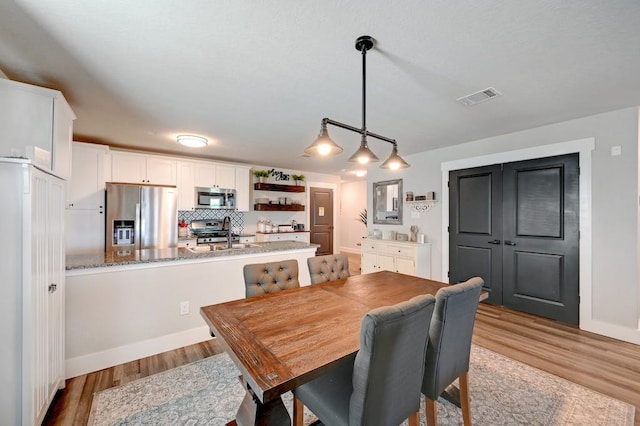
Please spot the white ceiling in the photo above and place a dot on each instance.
(256, 78)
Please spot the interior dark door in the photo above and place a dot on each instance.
(321, 216)
(516, 226)
(541, 242)
(475, 227)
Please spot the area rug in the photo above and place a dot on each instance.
(503, 392)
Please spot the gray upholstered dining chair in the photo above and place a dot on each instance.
(449, 345)
(381, 385)
(328, 268)
(263, 278)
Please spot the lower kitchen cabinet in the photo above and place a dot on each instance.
(398, 256)
(303, 237)
(84, 232)
(32, 311)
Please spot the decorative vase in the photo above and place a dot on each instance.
(261, 179)
(298, 182)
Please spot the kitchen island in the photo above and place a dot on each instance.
(125, 306)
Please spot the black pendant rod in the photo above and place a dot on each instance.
(364, 89)
(363, 44)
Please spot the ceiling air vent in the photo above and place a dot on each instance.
(479, 97)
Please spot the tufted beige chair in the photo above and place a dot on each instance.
(263, 278)
(328, 268)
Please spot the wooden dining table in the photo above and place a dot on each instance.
(282, 340)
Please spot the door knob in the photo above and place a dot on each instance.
(494, 242)
(509, 243)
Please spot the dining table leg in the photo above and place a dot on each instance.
(252, 412)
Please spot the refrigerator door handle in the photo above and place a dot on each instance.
(137, 228)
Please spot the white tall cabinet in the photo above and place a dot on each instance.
(85, 202)
(32, 306)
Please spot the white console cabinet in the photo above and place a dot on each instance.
(397, 256)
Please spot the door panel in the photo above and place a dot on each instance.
(475, 231)
(541, 257)
(321, 216)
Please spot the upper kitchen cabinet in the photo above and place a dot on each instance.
(86, 186)
(186, 184)
(209, 175)
(37, 123)
(140, 168)
(243, 178)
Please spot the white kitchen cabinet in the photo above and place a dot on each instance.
(84, 216)
(398, 256)
(282, 236)
(86, 186)
(243, 189)
(186, 184)
(247, 239)
(129, 167)
(32, 307)
(187, 242)
(36, 123)
(210, 175)
(84, 231)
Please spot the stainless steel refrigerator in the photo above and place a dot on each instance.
(141, 217)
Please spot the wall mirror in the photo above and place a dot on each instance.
(387, 202)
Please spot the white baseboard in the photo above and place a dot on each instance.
(99, 360)
(626, 334)
(349, 250)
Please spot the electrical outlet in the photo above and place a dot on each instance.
(184, 308)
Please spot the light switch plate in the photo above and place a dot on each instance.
(616, 150)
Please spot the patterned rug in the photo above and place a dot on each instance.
(503, 392)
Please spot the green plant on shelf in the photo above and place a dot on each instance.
(297, 178)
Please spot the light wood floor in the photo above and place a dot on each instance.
(606, 365)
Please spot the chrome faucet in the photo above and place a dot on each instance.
(226, 224)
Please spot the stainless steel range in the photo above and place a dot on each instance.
(212, 231)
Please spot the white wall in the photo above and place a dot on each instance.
(353, 199)
(615, 293)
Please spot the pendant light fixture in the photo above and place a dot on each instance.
(324, 146)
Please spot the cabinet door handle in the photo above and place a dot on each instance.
(509, 243)
(495, 242)
(52, 288)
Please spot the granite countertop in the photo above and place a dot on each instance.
(133, 257)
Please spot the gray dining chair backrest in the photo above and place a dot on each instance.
(328, 268)
(381, 386)
(450, 335)
(263, 278)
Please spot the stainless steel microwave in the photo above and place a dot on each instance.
(215, 198)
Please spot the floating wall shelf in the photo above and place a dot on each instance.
(277, 187)
(279, 207)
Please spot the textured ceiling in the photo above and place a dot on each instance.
(257, 77)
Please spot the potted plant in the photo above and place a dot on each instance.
(297, 178)
(363, 217)
(261, 175)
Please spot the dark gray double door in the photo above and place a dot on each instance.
(516, 226)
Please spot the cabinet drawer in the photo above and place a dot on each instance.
(370, 246)
(400, 250)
